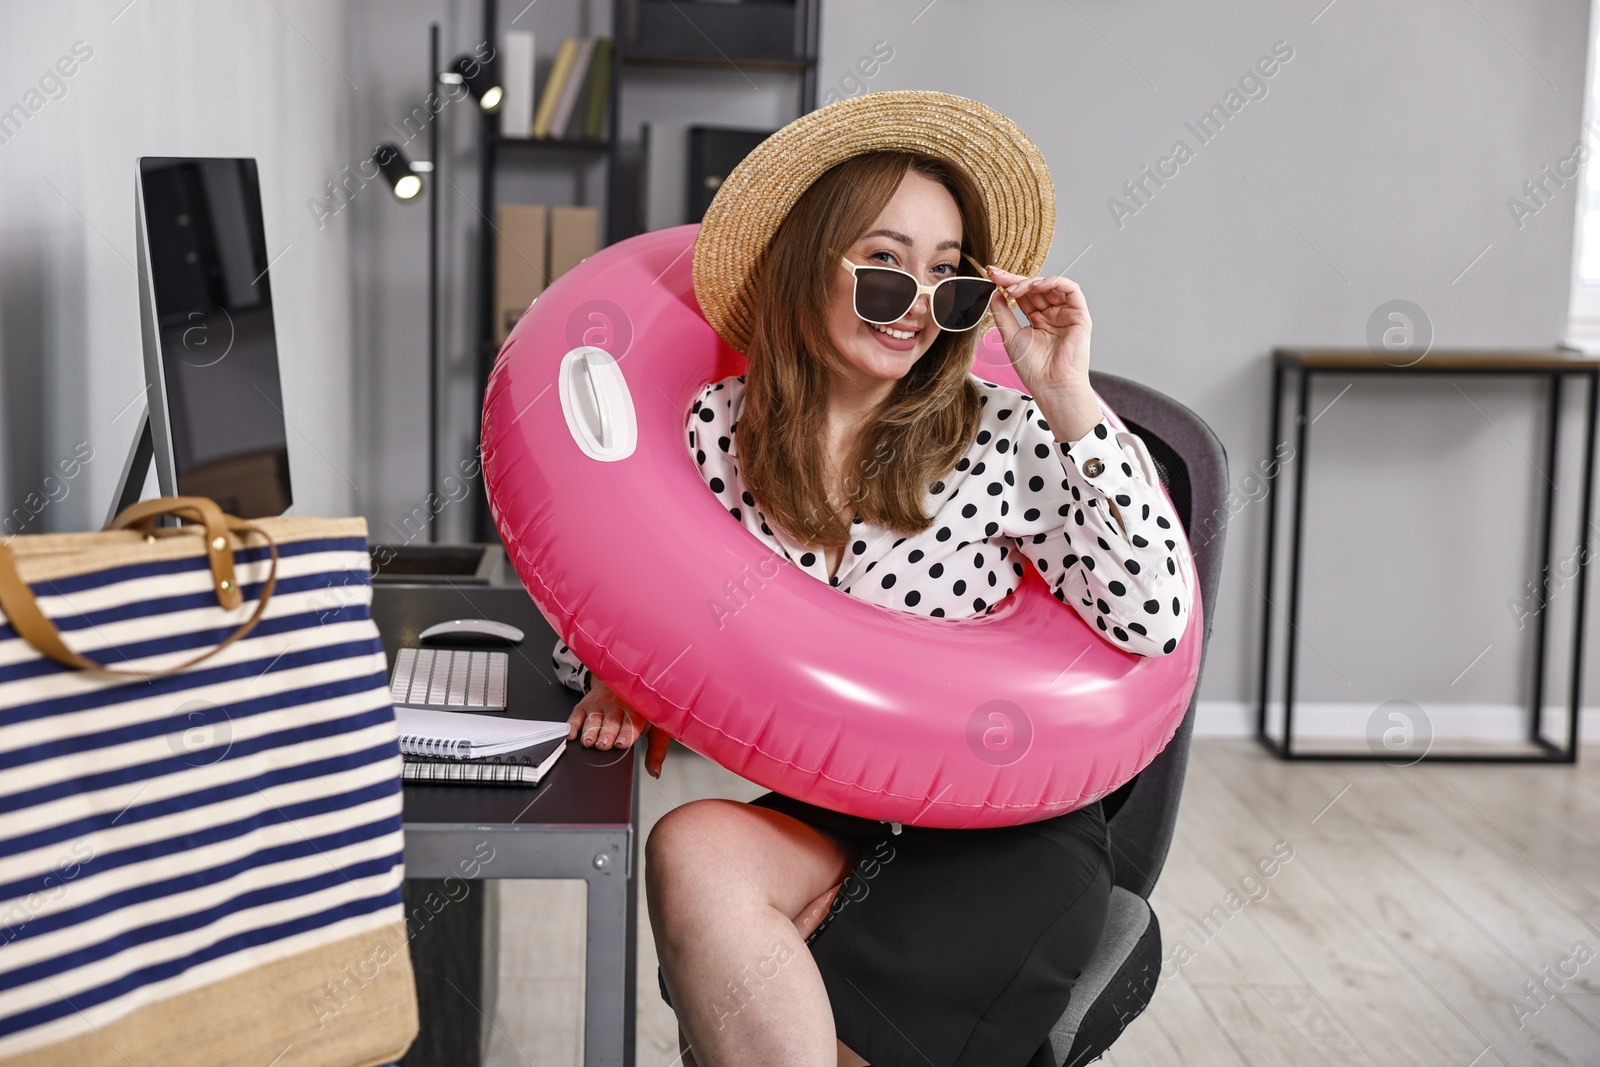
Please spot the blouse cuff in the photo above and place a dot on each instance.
(1099, 459)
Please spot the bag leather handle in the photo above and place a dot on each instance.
(34, 626)
(198, 509)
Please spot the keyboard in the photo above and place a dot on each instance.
(449, 678)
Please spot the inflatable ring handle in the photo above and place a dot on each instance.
(591, 380)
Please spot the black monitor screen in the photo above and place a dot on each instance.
(219, 354)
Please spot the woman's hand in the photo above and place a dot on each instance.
(1051, 353)
(606, 723)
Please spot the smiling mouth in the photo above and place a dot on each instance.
(903, 335)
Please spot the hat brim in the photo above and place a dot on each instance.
(753, 199)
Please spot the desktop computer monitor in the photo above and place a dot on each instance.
(215, 426)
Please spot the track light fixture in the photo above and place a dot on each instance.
(402, 177)
(479, 78)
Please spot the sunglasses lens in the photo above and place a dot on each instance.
(883, 295)
(959, 303)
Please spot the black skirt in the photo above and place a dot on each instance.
(957, 948)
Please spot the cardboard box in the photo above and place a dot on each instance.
(521, 262)
(574, 234)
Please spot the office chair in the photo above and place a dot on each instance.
(1120, 978)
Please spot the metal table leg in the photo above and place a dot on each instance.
(1575, 692)
(1542, 576)
(608, 1012)
(611, 969)
(1264, 689)
(1296, 536)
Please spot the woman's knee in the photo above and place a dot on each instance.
(723, 851)
(692, 846)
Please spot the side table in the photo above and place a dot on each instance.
(1554, 365)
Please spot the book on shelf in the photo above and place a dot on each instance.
(571, 88)
(597, 94)
(553, 82)
(516, 59)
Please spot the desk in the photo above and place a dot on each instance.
(1551, 364)
(577, 823)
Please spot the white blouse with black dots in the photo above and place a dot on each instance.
(1017, 495)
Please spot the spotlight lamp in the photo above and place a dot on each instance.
(401, 175)
(479, 78)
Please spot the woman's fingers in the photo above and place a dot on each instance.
(1006, 280)
(1004, 320)
(623, 734)
(593, 721)
(1053, 287)
(614, 718)
(656, 752)
(1045, 292)
(634, 728)
(605, 722)
(1054, 302)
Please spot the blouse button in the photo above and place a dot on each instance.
(1092, 467)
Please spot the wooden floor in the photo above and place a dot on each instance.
(1418, 914)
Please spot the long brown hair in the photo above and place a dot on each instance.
(929, 417)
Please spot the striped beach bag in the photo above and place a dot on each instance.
(200, 835)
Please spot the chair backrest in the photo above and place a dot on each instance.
(1193, 466)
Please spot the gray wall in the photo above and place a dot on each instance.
(1377, 166)
(163, 78)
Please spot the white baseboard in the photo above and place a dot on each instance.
(1348, 721)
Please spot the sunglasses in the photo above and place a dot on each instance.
(884, 294)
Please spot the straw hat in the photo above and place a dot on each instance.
(1008, 168)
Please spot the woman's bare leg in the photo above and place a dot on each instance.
(726, 883)
(804, 923)
(807, 921)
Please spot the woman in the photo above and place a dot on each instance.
(859, 443)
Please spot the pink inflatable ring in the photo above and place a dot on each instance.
(804, 689)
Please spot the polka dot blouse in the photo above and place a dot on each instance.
(1088, 515)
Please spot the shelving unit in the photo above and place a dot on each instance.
(683, 35)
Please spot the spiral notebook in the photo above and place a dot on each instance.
(525, 767)
(444, 746)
